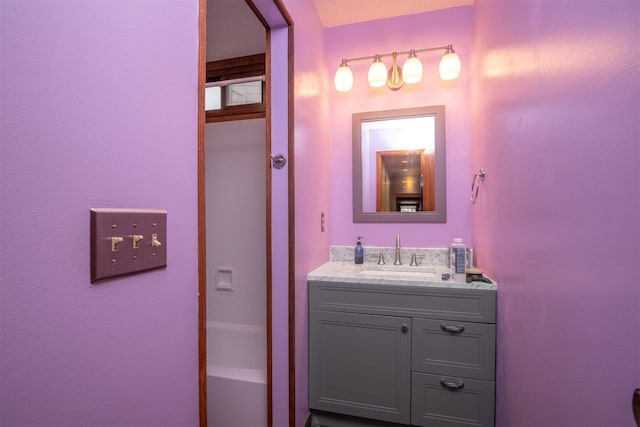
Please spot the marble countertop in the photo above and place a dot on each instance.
(348, 272)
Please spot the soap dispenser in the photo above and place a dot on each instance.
(359, 252)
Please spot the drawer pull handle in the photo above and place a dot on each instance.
(452, 384)
(452, 329)
(404, 328)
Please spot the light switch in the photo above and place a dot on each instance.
(136, 240)
(127, 241)
(115, 241)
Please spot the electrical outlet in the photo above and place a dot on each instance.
(127, 241)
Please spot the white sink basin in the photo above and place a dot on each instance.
(413, 272)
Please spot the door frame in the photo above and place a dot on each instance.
(283, 19)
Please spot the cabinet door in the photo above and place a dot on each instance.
(459, 349)
(360, 365)
(451, 401)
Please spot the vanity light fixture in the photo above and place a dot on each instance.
(396, 76)
(449, 65)
(377, 73)
(343, 79)
(412, 69)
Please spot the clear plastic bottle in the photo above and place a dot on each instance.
(458, 260)
(359, 252)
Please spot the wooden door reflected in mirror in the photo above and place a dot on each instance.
(405, 181)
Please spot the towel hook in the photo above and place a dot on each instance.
(478, 177)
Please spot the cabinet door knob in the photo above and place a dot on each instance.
(452, 329)
(405, 328)
(452, 383)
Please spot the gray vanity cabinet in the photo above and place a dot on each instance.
(359, 365)
(401, 355)
(461, 349)
(453, 378)
(451, 401)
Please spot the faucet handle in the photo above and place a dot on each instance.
(414, 259)
(381, 258)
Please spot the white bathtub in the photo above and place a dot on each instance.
(236, 375)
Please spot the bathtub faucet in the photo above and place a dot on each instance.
(397, 260)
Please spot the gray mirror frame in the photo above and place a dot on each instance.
(439, 215)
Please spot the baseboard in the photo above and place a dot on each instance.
(328, 419)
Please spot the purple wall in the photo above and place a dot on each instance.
(556, 93)
(98, 108)
(452, 26)
(312, 127)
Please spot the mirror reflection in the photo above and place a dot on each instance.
(398, 165)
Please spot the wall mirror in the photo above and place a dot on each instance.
(399, 161)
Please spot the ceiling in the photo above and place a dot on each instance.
(341, 12)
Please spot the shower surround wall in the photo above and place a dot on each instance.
(555, 122)
(236, 230)
(98, 109)
(236, 238)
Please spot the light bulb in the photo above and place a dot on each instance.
(377, 73)
(450, 65)
(412, 69)
(343, 79)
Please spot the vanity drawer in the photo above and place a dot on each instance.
(475, 305)
(451, 401)
(460, 349)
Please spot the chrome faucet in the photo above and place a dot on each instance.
(414, 259)
(397, 261)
